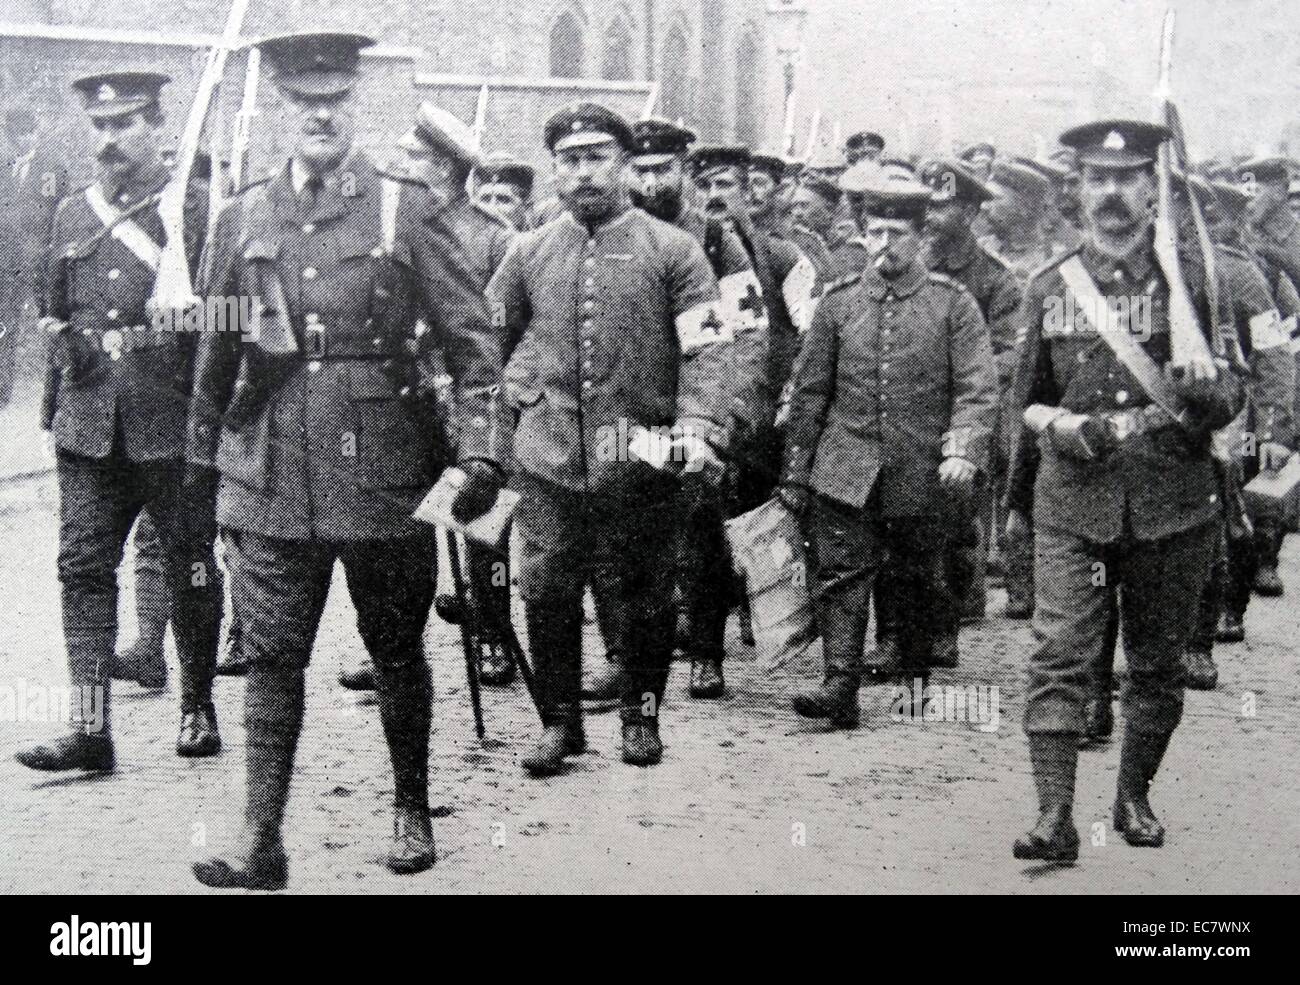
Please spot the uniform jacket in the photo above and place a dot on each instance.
(1155, 484)
(341, 450)
(483, 236)
(30, 191)
(995, 289)
(893, 377)
(619, 326)
(99, 286)
(789, 283)
(812, 245)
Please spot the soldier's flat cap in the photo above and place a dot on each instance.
(1065, 159)
(864, 139)
(1016, 177)
(1048, 168)
(886, 191)
(1116, 143)
(438, 130)
(657, 141)
(821, 184)
(1228, 195)
(315, 63)
(770, 162)
(950, 180)
(978, 148)
(1267, 167)
(711, 157)
(586, 124)
(500, 167)
(108, 94)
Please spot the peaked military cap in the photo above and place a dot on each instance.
(769, 161)
(315, 63)
(1228, 196)
(1017, 177)
(656, 141)
(971, 151)
(1267, 167)
(1116, 143)
(950, 180)
(864, 139)
(826, 187)
(584, 124)
(887, 191)
(437, 129)
(108, 94)
(506, 169)
(714, 156)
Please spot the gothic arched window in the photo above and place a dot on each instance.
(674, 97)
(566, 47)
(618, 51)
(749, 124)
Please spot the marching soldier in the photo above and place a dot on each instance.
(442, 151)
(319, 422)
(1276, 240)
(1114, 456)
(893, 401)
(765, 192)
(705, 581)
(504, 185)
(618, 317)
(118, 400)
(812, 214)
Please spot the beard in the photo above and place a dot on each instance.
(665, 203)
(590, 204)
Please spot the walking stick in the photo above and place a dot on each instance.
(459, 614)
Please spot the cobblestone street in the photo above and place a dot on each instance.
(748, 798)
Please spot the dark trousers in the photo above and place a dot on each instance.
(100, 499)
(704, 576)
(622, 544)
(1159, 586)
(847, 550)
(489, 585)
(152, 604)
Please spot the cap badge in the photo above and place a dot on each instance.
(105, 93)
(1114, 141)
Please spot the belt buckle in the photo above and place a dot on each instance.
(314, 339)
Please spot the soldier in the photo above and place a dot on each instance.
(812, 215)
(30, 189)
(617, 313)
(705, 580)
(865, 145)
(1125, 496)
(892, 404)
(504, 185)
(1060, 234)
(442, 151)
(978, 158)
(1276, 240)
(789, 283)
(764, 192)
(118, 417)
(319, 422)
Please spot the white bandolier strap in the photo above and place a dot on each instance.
(797, 289)
(125, 231)
(703, 325)
(389, 199)
(1267, 331)
(1291, 328)
(742, 301)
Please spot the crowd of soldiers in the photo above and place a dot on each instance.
(905, 353)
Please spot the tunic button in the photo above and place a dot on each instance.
(586, 343)
(591, 261)
(1121, 396)
(591, 281)
(312, 318)
(308, 273)
(375, 341)
(586, 384)
(309, 227)
(114, 274)
(1083, 357)
(884, 365)
(589, 304)
(587, 324)
(587, 364)
(313, 366)
(113, 313)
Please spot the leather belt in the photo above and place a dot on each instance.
(130, 338)
(316, 346)
(1124, 425)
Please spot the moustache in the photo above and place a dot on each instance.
(1114, 208)
(319, 131)
(110, 155)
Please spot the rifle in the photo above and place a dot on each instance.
(814, 131)
(1189, 352)
(241, 136)
(173, 288)
(787, 131)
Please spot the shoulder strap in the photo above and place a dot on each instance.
(1119, 339)
(389, 200)
(124, 230)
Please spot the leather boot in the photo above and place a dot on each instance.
(943, 652)
(412, 849)
(706, 678)
(143, 663)
(835, 698)
(1053, 838)
(360, 679)
(199, 736)
(606, 683)
(1199, 670)
(1267, 582)
(641, 743)
(1230, 628)
(562, 737)
(886, 661)
(233, 662)
(258, 862)
(1138, 764)
(74, 751)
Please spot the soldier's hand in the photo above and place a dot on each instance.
(794, 498)
(1272, 456)
(957, 474)
(478, 492)
(1017, 526)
